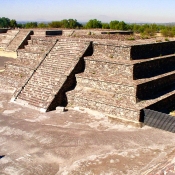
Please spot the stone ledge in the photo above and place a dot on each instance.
(125, 122)
(8, 54)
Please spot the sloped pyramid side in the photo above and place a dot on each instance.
(40, 90)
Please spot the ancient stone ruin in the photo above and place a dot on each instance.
(129, 82)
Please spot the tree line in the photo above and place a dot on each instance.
(143, 29)
(8, 23)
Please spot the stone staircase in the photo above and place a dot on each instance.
(46, 82)
(19, 40)
(6, 38)
(18, 72)
(121, 81)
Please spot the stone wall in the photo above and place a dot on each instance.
(30, 59)
(54, 32)
(107, 70)
(7, 38)
(3, 30)
(16, 74)
(166, 105)
(19, 41)
(156, 87)
(108, 109)
(105, 85)
(152, 50)
(111, 51)
(153, 67)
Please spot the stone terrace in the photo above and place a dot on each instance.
(122, 80)
(119, 79)
(6, 38)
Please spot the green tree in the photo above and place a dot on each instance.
(20, 25)
(105, 26)
(113, 24)
(42, 25)
(167, 32)
(173, 30)
(135, 28)
(4, 22)
(154, 27)
(55, 24)
(72, 24)
(149, 32)
(93, 23)
(31, 25)
(13, 23)
(143, 27)
(122, 26)
(65, 23)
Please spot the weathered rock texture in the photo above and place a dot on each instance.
(18, 72)
(54, 74)
(19, 41)
(14, 39)
(118, 80)
(6, 38)
(122, 80)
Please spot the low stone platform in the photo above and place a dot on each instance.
(118, 32)
(119, 80)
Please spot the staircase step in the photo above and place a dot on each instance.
(32, 101)
(49, 77)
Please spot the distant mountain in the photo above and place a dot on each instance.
(84, 23)
(24, 22)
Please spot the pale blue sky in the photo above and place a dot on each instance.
(83, 10)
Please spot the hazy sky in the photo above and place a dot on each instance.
(83, 10)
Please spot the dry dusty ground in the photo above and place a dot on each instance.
(78, 142)
(3, 60)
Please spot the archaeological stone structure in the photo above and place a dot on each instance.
(123, 81)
